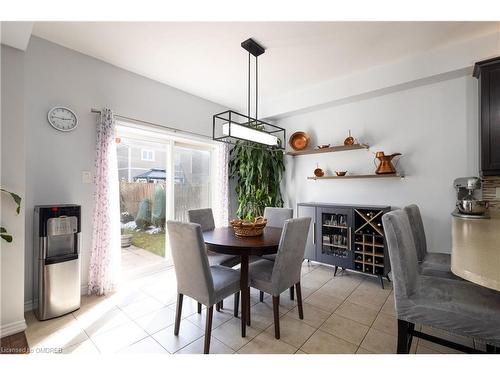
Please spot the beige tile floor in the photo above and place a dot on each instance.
(349, 313)
(137, 262)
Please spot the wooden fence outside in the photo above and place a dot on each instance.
(186, 197)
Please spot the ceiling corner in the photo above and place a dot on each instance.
(16, 34)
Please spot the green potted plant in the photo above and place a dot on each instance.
(17, 199)
(258, 171)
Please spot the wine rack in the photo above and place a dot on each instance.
(346, 236)
(369, 242)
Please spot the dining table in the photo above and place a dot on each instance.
(223, 240)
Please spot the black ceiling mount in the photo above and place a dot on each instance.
(253, 47)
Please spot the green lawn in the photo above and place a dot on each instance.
(154, 243)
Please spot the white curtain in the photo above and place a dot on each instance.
(221, 204)
(105, 256)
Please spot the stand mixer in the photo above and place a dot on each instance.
(468, 206)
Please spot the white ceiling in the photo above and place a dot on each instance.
(206, 59)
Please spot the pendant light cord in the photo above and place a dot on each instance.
(256, 85)
(248, 109)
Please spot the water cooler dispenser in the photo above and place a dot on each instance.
(56, 279)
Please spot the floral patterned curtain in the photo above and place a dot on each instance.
(221, 204)
(105, 255)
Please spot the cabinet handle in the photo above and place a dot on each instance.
(349, 230)
(314, 233)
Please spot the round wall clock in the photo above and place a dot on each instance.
(62, 118)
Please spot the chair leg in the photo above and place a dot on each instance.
(276, 312)
(248, 307)
(221, 304)
(236, 303)
(178, 314)
(291, 293)
(335, 271)
(299, 300)
(404, 336)
(381, 281)
(199, 308)
(208, 329)
(261, 296)
(217, 306)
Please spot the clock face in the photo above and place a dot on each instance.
(63, 119)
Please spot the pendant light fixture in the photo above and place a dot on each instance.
(231, 127)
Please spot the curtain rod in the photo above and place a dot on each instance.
(175, 130)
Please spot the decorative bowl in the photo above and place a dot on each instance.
(245, 228)
(323, 146)
(340, 173)
(299, 141)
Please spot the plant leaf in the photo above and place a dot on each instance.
(16, 199)
(6, 237)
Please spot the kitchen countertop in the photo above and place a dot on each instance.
(476, 250)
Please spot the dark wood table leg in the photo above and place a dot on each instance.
(245, 296)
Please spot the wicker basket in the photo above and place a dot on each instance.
(245, 228)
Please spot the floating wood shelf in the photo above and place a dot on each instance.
(357, 146)
(347, 177)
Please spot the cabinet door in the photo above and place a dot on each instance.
(308, 211)
(490, 120)
(334, 236)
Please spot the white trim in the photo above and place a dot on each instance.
(12, 328)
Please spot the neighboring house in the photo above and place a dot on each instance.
(136, 158)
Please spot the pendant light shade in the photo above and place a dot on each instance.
(231, 127)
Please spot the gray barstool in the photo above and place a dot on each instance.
(452, 305)
(195, 277)
(276, 277)
(431, 264)
(205, 217)
(276, 217)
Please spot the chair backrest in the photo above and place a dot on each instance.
(402, 253)
(288, 263)
(192, 269)
(202, 216)
(417, 228)
(276, 216)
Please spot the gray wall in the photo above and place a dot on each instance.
(13, 179)
(434, 126)
(58, 76)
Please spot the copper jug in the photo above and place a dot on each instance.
(385, 166)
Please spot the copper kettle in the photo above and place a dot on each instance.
(385, 166)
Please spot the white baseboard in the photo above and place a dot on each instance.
(30, 305)
(12, 328)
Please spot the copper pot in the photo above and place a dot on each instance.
(385, 163)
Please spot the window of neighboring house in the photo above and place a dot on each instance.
(147, 155)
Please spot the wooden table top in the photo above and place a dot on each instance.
(224, 240)
(476, 250)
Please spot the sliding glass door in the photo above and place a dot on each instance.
(161, 177)
(192, 179)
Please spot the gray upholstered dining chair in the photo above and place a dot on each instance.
(431, 264)
(276, 277)
(205, 217)
(195, 277)
(452, 305)
(276, 217)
